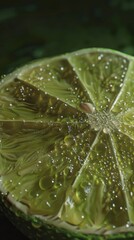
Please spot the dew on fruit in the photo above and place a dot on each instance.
(73, 161)
(100, 57)
(36, 223)
(93, 65)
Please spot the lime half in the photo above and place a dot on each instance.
(67, 145)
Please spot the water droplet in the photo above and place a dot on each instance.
(127, 225)
(46, 183)
(100, 56)
(36, 223)
(48, 204)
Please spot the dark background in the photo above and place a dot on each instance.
(42, 28)
(32, 29)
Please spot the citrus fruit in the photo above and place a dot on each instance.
(67, 146)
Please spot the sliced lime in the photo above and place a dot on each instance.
(67, 143)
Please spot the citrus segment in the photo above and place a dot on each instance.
(126, 122)
(125, 99)
(58, 79)
(124, 151)
(102, 75)
(24, 102)
(43, 161)
(97, 198)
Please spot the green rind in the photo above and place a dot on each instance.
(66, 56)
(98, 50)
(36, 229)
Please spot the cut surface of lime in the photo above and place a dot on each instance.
(67, 141)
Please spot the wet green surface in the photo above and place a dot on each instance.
(66, 143)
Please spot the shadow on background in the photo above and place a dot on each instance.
(41, 28)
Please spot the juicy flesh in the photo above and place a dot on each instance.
(67, 140)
